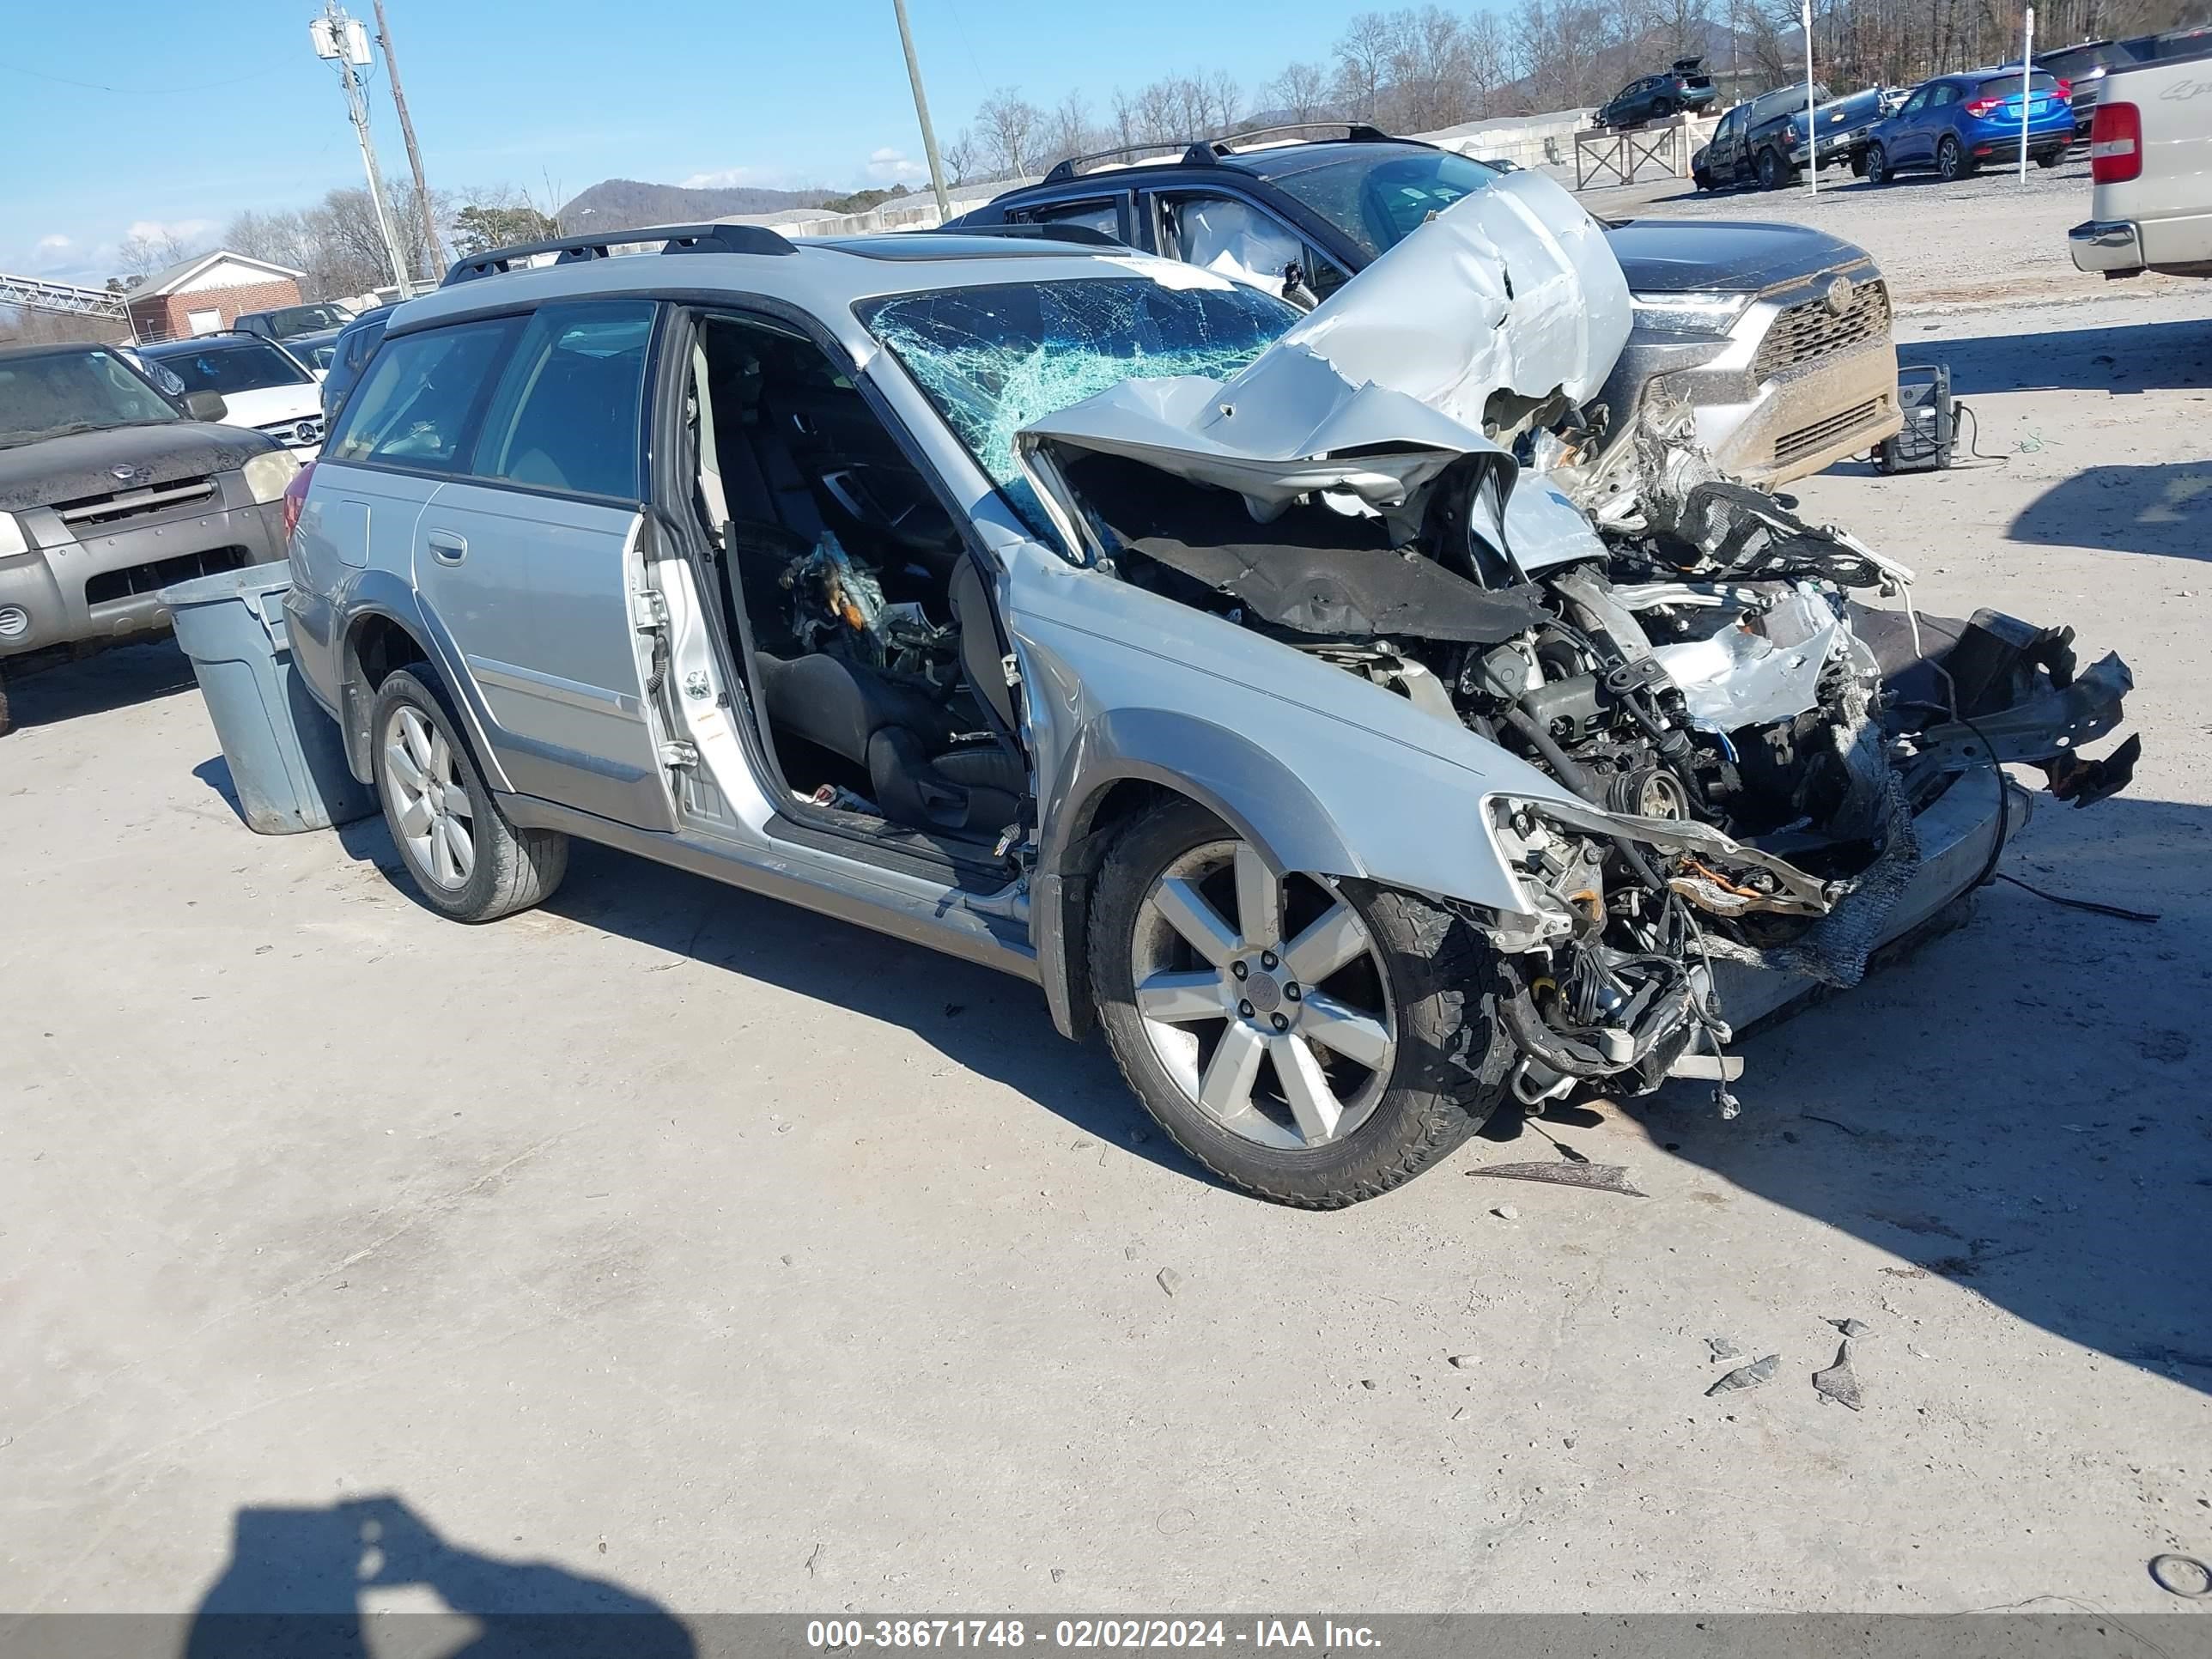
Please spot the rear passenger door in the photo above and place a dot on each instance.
(532, 554)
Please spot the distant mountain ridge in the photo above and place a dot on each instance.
(616, 203)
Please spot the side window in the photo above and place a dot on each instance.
(1726, 131)
(1102, 215)
(1915, 104)
(1246, 244)
(568, 410)
(415, 407)
(1942, 95)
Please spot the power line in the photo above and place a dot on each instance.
(192, 91)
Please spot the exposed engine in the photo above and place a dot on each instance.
(1693, 656)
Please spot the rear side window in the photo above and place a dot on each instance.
(568, 410)
(1104, 215)
(415, 407)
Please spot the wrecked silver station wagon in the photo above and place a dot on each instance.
(1320, 702)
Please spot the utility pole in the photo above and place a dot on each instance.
(921, 110)
(343, 40)
(432, 242)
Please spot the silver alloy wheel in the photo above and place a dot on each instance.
(1225, 997)
(424, 780)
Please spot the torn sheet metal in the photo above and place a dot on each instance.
(1513, 288)
(1764, 668)
(1511, 291)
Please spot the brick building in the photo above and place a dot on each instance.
(199, 295)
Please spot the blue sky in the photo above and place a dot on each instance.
(199, 108)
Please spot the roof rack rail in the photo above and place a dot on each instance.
(1081, 236)
(1204, 152)
(574, 250)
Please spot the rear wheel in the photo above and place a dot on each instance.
(1952, 161)
(1877, 165)
(467, 861)
(1773, 171)
(1311, 1041)
(2050, 158)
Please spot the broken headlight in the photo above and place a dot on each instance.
(1697, 312)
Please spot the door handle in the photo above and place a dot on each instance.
(446, 547)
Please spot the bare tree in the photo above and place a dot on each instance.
(1224, 98)
(144, 255)
(1489, 57)
(1362, 64)
(1011, 126)
(1068, 128)
(1430, 82)
(1301, 91)
(962, 158)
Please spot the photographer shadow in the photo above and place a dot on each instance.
(296, 1580)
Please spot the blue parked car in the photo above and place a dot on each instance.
(1954, 122)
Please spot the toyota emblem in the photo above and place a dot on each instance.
(129, 475)
(1839, 296)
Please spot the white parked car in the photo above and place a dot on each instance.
(264, 386)
(2151, 162)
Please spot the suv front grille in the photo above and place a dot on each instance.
(92, 512)
(1808, 440)
(109, 586)
(1807, 333)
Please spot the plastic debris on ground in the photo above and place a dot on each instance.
(1747, 1376)
(1840, 1382)
(1599, 1177)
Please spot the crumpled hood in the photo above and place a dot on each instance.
(1512, 290)
(81, 464)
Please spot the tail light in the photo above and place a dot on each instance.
(1980, 107)
(1789, 138)
(2115, 144)
(2065, 89)
(295, 497)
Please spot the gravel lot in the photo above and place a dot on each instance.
(678, 1242)
(1989, 238)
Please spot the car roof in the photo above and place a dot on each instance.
(229, 337)
(55, 349)
(825, 277)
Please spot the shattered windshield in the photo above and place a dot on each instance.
(994, 360)
(1378, 204)
(47, 395)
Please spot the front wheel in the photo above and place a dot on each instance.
(1703, 180)
(1877, 166)
(1952, 161)
(467, 861)
(1312, 1041)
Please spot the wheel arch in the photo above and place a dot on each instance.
(386, 629)
(1121, 765)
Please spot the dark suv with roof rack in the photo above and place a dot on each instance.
(111, 488)
(1777, 336)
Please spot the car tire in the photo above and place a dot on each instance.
(1703, 180)
(1404, 984)
(1952, 161)
(465, 858)
(1877, 166)
(1773, 171)
(1859, 165)
(2050, 158)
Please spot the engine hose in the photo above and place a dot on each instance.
(1518, 1010)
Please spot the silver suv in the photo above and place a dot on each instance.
(1101, 620)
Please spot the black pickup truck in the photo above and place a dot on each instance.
(1764, 142)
